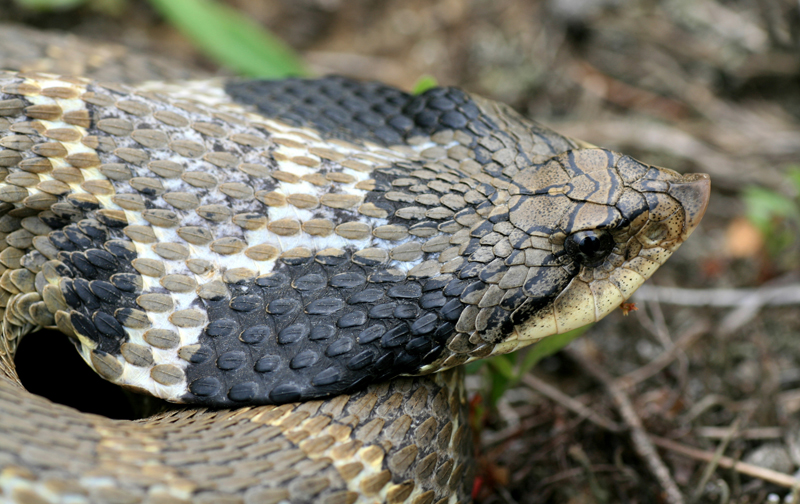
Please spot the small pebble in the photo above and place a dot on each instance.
(771, 456)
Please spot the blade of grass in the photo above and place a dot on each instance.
(793, 174)
(231, 38)
(475, 366)
(547, 347)
(505, 371)
(498, 386)
(424, 83)
(501, 376)
(503, 364)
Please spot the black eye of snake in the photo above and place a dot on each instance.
(590, 247)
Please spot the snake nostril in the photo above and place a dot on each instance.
(49, 366)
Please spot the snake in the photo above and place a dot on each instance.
(304, 265)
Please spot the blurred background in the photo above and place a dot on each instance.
(695, 85)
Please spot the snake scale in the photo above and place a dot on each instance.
(281, 256)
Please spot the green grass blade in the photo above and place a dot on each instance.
(505, 371)
(502, 375)
(424, 83)
(547, 347)
(499, 384)
(793, 174)
(475, 366)
(231, 38)
(503, 364)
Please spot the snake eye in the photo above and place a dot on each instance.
(589, 247)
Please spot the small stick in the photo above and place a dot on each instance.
(752, 433)
(571, 404)
(641, 443)
(774, 477)
(664, 359)
(576, 471)
(722, 298)
(747, 302)
(714, 462)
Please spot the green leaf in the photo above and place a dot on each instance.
(49, 4)
(548, 346)
(503, 364)
(501, 376)
(475, 366)
(505, 371)
(423, 84)
(764, 205)
(231, 38)
(498, 386)
(793, 174)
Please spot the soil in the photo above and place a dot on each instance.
(708, 85)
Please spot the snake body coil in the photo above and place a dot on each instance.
(239, 244)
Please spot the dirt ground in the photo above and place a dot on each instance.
(680, 401)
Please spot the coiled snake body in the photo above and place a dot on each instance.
(280, 252)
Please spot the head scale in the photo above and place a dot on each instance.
(595, 225)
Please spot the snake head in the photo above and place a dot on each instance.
(598, 225)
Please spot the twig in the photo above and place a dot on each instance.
(505, 494)
(703, 405)
(664, 359)
(789, 400)
(759, 433)
(659, 324)
(722, 298)
(571, 404)
(775, 477)
(747, 302)
(578, 455)
(641, 443)
(575, 472)
(718, 453)
(490, 438)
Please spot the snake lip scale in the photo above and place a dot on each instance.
(285, 254)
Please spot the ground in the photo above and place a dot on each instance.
(709, 85)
